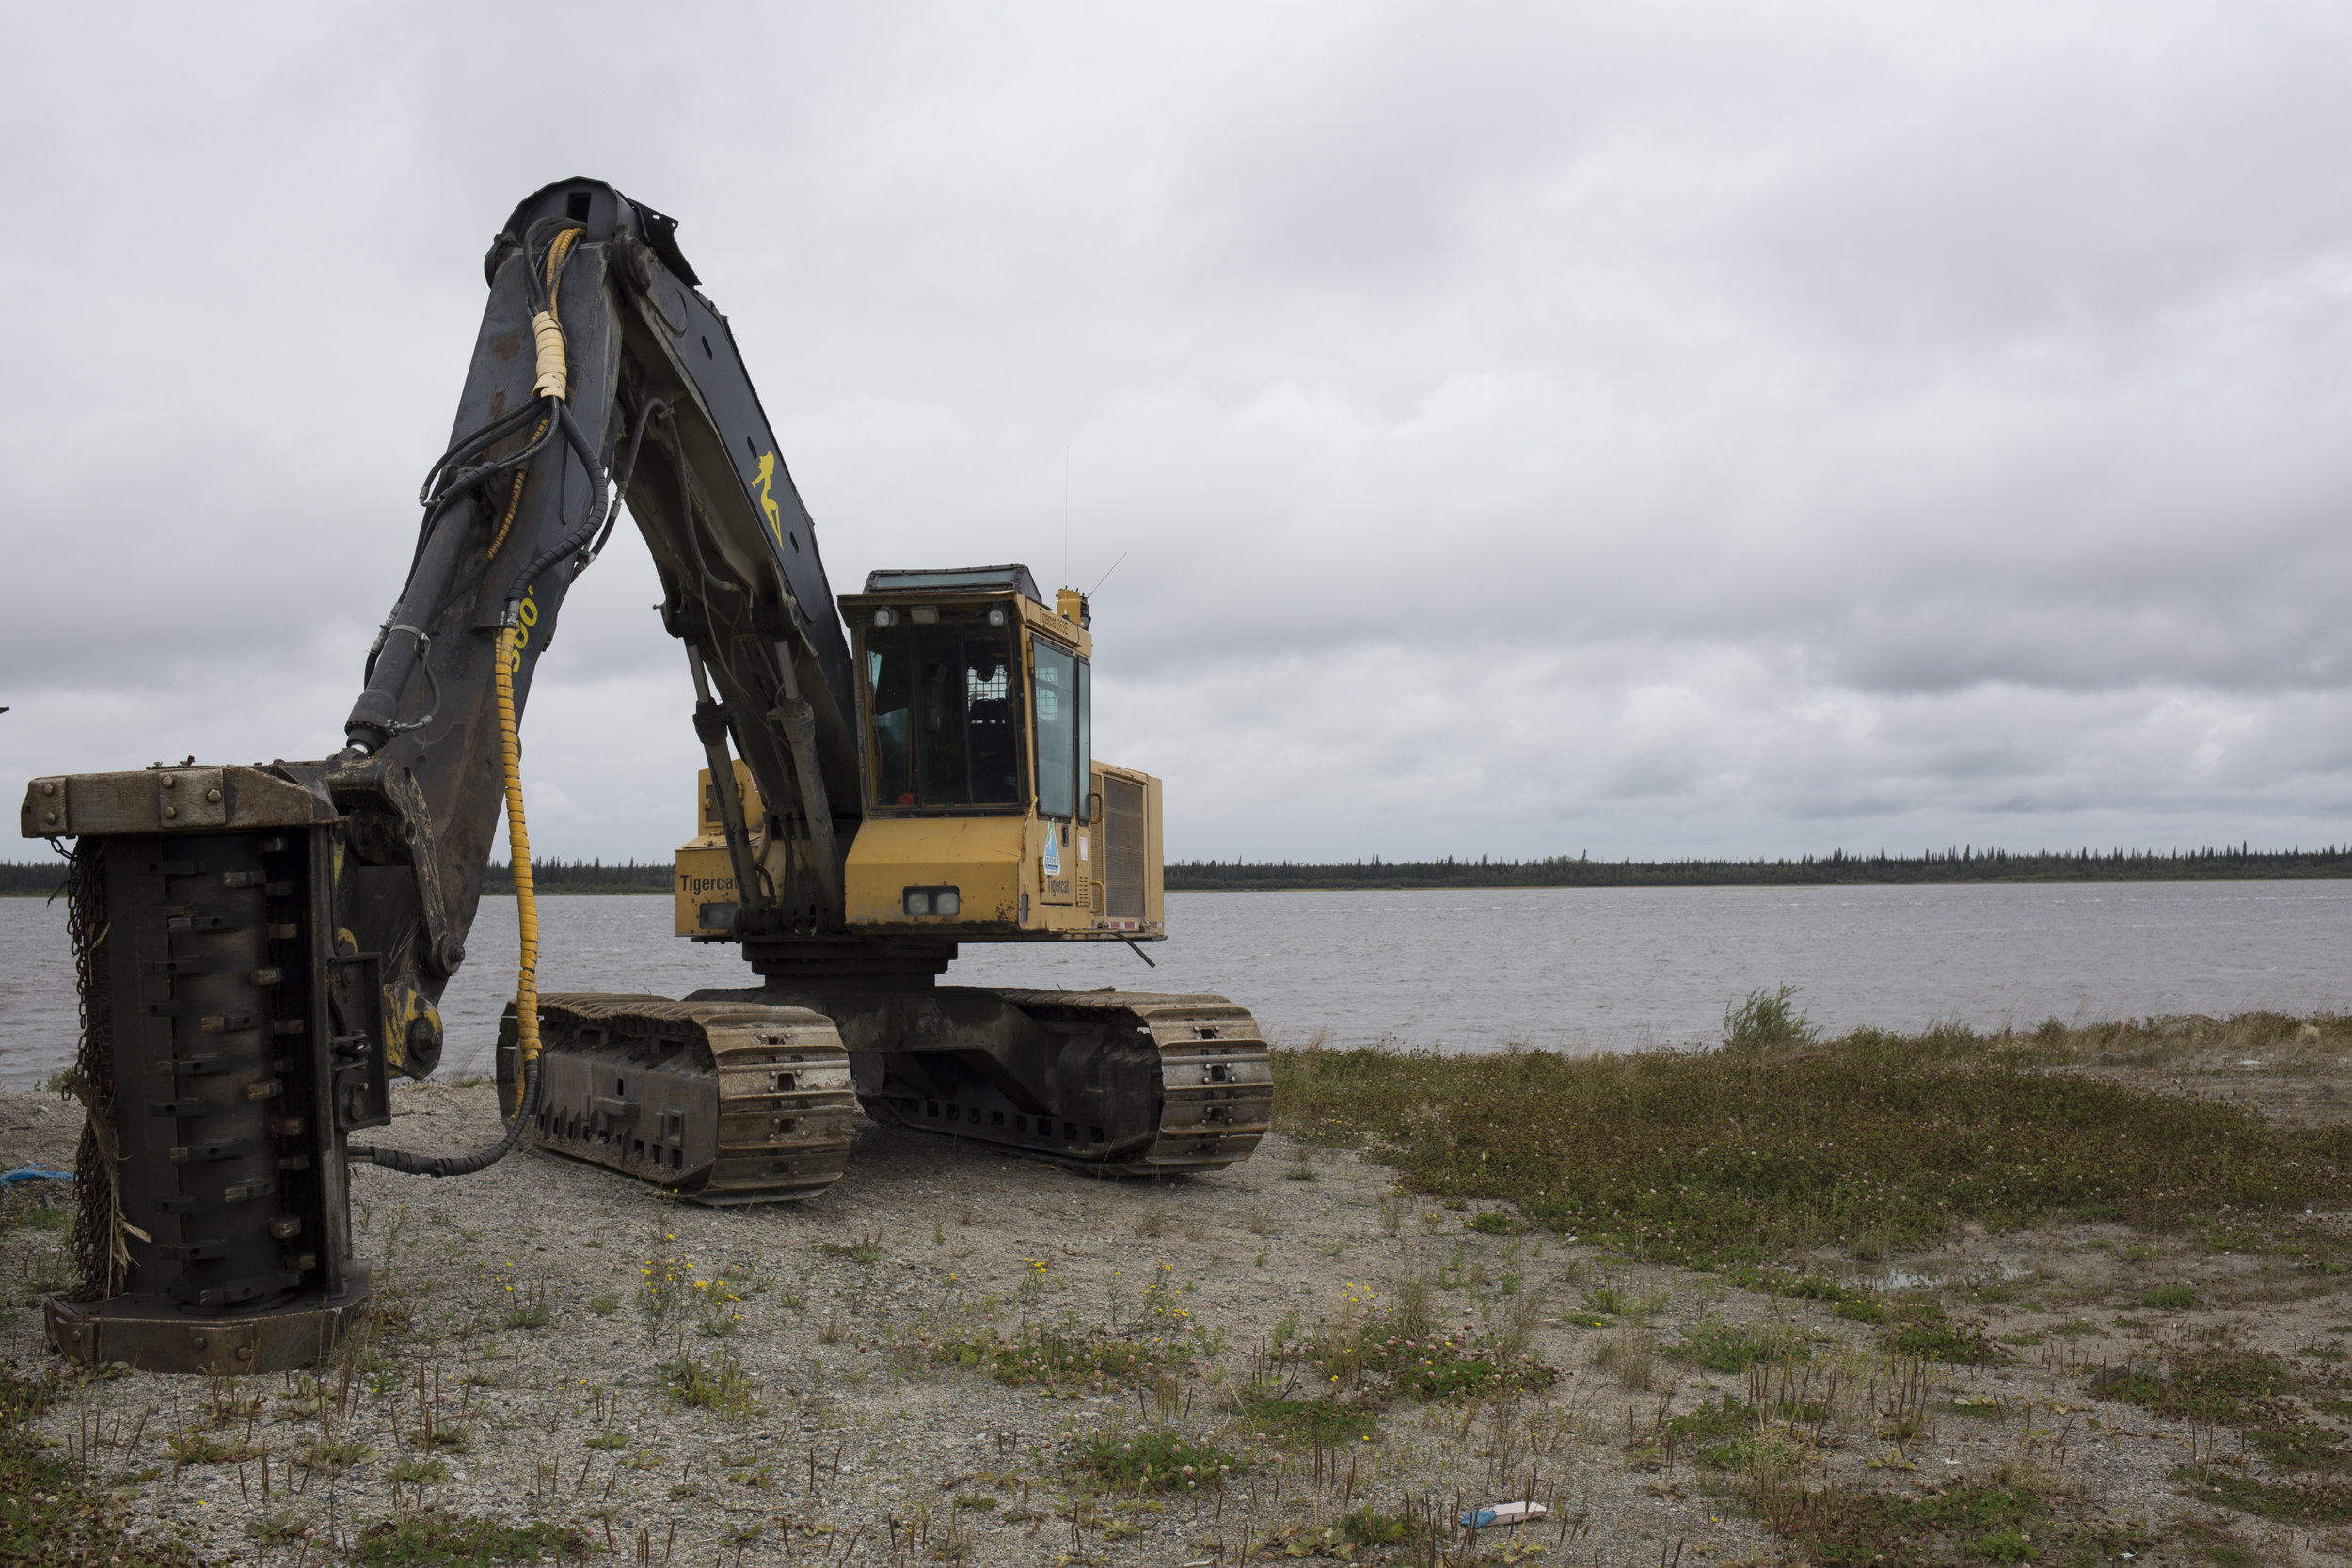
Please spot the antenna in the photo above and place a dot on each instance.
(1065, 511)
(1090, 593)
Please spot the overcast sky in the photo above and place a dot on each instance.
(1636, 430)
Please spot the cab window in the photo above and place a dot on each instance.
(1059, 702)
(939, 699)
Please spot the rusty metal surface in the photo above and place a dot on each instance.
(1118, 1083)
(727, 1101)
(168, 800)
(158, 1337)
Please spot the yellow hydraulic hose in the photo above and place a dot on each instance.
(518, 854)
(552, 384)
(508, 658)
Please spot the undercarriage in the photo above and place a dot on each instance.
(734, 1097)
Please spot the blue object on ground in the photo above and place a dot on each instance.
(34, 1173)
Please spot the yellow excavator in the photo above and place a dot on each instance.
(886, 776)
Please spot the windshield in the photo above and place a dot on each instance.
(941, 699)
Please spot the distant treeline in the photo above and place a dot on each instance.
(41, 878)
(29, 879)
(563, 875)
(1962, 863)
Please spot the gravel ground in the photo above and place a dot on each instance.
(836, 1439)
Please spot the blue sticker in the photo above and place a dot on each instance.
(1053, 851)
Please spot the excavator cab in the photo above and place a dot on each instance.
(986, 817)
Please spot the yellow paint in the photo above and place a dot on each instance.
(980, 857)
(403, 1004)
(705, 876)
(768, 503)
(705, 872)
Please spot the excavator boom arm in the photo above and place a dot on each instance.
(654, 404)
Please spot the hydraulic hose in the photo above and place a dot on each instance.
(527, 968)
(373, 717)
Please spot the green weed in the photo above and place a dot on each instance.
(867, 1248)
(1316, 1421)
(1065, 1357)
(1932, 1337)
(2302, 1447)
(2219, 1384)
(204, 1448)
(432, 1539)
(1722, 1347)
(1400, 1345)
(1768, 1018)
(1980, 1522)
(1368, 1528)
(276, 1527)
(1608, 1300)
(2291, 1502)
(665, 1285)
(1720, 1435)
(721, 1386)
(1159, 1459)
(333, 1456)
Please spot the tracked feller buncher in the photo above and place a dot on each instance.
(261, 948)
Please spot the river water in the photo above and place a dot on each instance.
(1573, 968)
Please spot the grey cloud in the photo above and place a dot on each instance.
(1644, 429)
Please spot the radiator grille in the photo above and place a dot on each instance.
(1123, 848)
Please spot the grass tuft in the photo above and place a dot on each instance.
(1317, 1421)
(1722, 1347)
(1994, 1521)
(1069, 1355)
(1159, 1459)
(721, 1385)
(2289, 1503)
(430, 1537)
